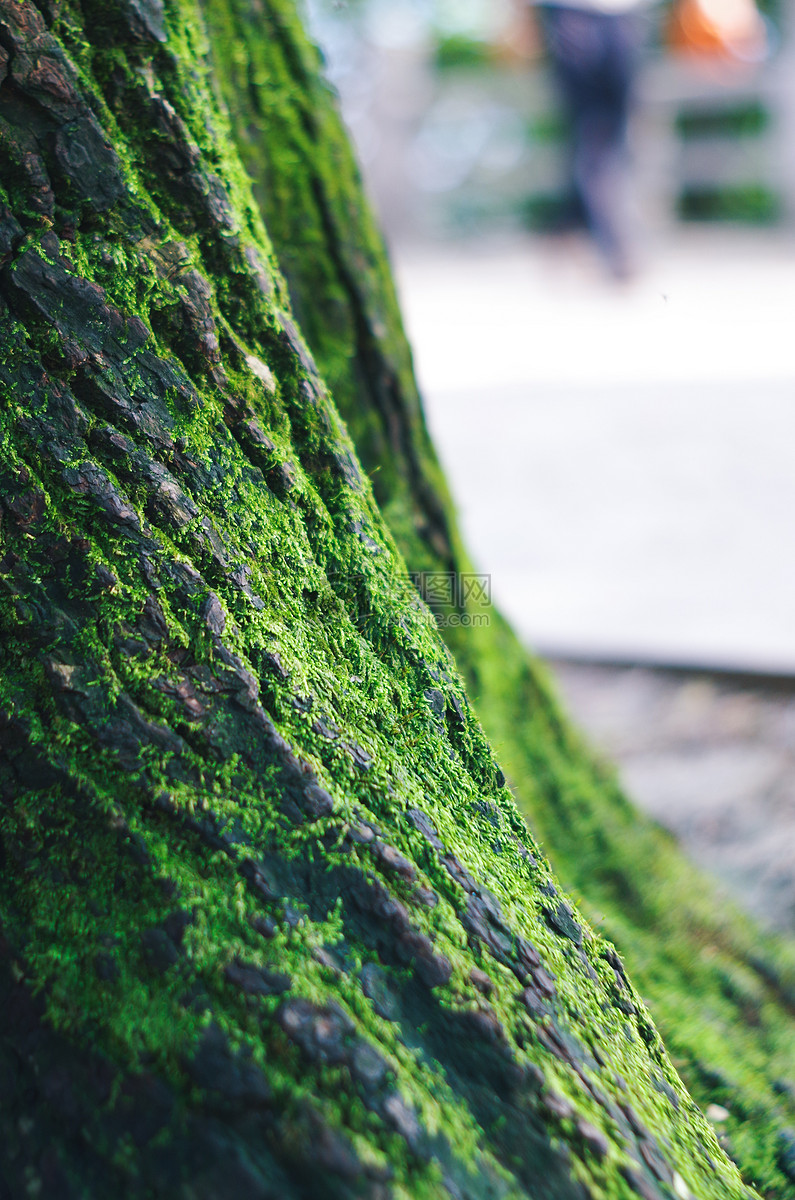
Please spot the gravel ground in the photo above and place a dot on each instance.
(712, 758)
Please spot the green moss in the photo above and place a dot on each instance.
(147, 787)
(679, 939)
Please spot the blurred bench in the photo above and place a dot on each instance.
(718, 145)
(708, 145)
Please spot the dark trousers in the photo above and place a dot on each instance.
(595, 58)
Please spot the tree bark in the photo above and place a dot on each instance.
(721, 992)
(271, 923)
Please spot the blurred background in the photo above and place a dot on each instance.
(620, 443)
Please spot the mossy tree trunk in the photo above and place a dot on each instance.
(272, 926)
(722, 993)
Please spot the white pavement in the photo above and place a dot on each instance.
(622, 457)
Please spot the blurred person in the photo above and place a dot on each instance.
(595, 48)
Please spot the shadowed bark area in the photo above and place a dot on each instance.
(271, 924)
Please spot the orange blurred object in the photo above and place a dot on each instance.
(731, 30)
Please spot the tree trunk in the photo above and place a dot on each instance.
(271, 924)
(721, 992)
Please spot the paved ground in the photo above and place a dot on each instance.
(622, 457)
(712, 759)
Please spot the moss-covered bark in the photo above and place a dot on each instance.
(723, 994)
(271, 924)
